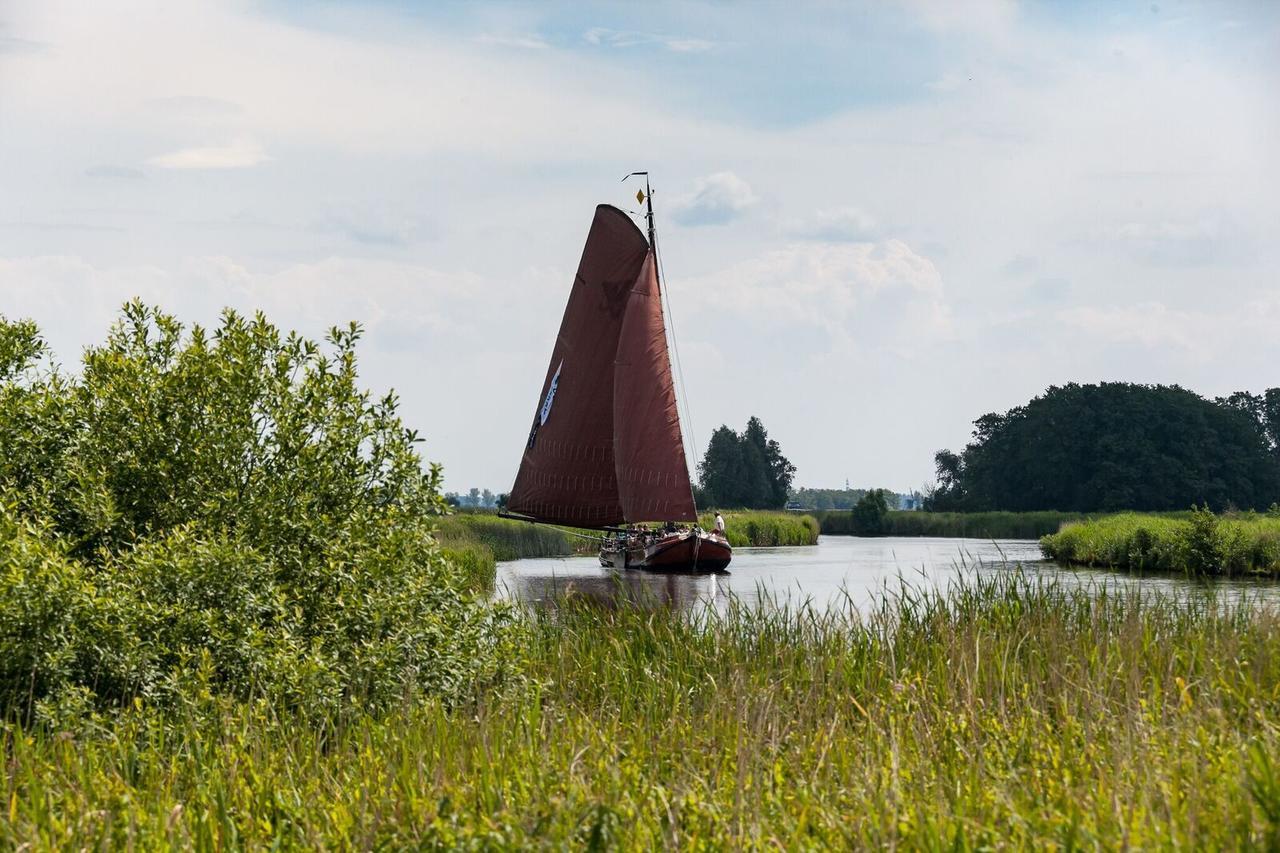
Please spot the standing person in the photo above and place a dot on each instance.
(719, 523)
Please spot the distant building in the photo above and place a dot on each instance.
(912, 502)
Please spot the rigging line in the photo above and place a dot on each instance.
(675, 351)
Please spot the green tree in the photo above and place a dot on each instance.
(746, 470)
(1116, 446)
(722, 472)
(870, 512)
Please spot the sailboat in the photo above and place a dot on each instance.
(605, 451)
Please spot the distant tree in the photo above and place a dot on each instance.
(746, 470)
(486, 498)
(452, 499)
(722, 472)
(948, 494)
(870, 512)
(1117, 446)
(501, 500)
(473, 497)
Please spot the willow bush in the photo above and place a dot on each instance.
(221, 513)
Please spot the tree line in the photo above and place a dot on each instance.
(744, 470)
(1115, 446)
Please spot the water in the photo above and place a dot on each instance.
(838, 570)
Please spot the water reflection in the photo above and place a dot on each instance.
(546, 583)
(838, 572)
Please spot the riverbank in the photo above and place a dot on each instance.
(960, 525)
(1007, 711)
(1198, 543)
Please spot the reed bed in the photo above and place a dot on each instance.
(759, 528)
(960, 525)
(1007, 711)
(1198, 543)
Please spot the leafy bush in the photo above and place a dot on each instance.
(221, 513)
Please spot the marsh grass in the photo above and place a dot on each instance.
(1008, 710)
(1197, 543)
(760, 528)
(965, 525)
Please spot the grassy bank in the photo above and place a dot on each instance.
(1008, 712)
(760, 528)
(1198, 543)
(963, 525)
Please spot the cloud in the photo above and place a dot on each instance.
(715, 199)
(1186, 243)
(372, 229)
(836, 225)
(196, 107)
(122, 172)
(843, 288)
(1153, 325)
(240, 154)
(605, 37)
(528, 41)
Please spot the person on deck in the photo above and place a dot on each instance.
(719, 523)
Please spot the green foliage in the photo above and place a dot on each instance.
(221, 514)
(1199, 543)
(1008, 711)
(747, 470)
(1117, 446)
(765, 529)
(869, 514)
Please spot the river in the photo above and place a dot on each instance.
(838, 571)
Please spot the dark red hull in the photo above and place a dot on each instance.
(687, 551)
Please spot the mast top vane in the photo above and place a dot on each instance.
(648, 200)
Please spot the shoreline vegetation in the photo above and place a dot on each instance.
(1197, 543)
(1006, 710)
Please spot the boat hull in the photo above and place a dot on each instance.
(686, 551)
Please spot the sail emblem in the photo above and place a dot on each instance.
(551, 395)
(545, 412)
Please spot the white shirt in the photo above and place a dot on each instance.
(719, 523)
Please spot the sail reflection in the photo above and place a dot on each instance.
(553, 582)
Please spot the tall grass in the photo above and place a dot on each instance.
(961, 525)
(507, 538)
(761, 528)
(1008, 711)
(1197, 544)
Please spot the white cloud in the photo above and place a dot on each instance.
(835, 225)
(603, 36)
(524, 41)
(240, 154)
(832, 286)
(714, 200)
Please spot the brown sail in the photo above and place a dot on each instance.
(604, 447)
(653, 479)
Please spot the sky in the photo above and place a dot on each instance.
(878, 221)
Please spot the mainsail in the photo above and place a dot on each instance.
(605, 447)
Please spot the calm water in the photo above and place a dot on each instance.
(836, 570)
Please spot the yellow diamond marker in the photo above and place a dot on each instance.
(640, 196)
